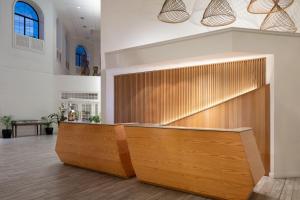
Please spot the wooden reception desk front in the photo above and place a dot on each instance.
(97, 147)
(223, 164)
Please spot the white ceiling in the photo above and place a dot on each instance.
(70, 13)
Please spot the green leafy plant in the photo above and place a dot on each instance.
(46, 120)
(54, 118)
(50, 120)
(6, 121)
(76, 115)
(96, 119)
(61, 113)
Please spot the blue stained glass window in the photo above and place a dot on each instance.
(26, 20)
(19, 24)
(80, 54)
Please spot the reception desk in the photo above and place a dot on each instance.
(97, 147)
(223, 164)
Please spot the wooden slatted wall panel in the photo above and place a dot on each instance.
(248, 110)
(164, 96)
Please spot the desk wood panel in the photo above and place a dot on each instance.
(97, 147)
(249, 110)
(206, 162)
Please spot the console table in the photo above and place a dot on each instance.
(36, 123)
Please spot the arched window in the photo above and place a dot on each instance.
(26, 20)
(80, 55)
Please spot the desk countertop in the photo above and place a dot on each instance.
(238, 130)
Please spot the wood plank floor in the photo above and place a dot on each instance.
(29, 169)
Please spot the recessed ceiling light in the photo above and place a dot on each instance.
(78, 7)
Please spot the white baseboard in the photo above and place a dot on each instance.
(285, 175)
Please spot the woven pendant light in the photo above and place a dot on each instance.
(173, 11)
(278, 20)
(218, 13)
(265, 6)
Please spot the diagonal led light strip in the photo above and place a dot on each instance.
(245, 91)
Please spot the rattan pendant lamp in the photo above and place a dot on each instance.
(218, 13)
(278, 20)
(266, 6)
(173, 11)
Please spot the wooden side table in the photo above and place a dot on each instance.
(37, 123)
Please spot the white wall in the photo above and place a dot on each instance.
(26, 76)
(66, 44)
(61, 46)
(27, 60)
(132, 23)
(80, 84)
(28, 84)
(27, 95)
(67, 83)
(285, 99)
(93, 51)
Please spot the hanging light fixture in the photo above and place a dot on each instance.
(218, 13)
(278, 20)
(265, 6)
(173, 11)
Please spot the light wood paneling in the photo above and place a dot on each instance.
(168, 95)
(248, 110)
(97, 147)
(215, 163)
(195, 96)
(253, 156)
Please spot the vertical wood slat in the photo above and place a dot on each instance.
(169, 95)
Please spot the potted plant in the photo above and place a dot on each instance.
(61, 113)
(6, 122)
(95, 119)
(48, 122)
(54, 117)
